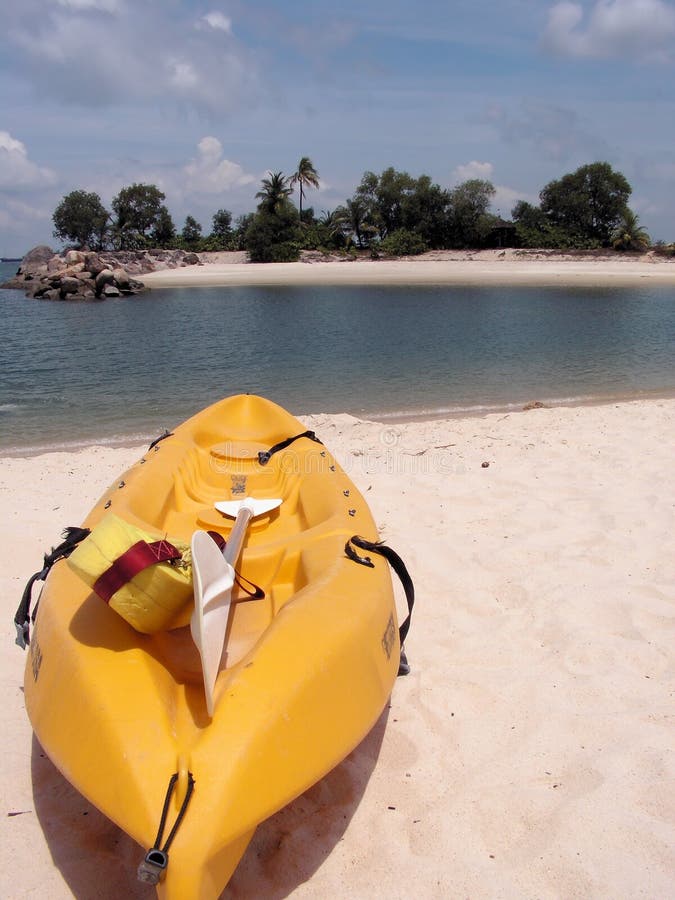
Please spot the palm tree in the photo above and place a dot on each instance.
(306, 174)
(275, 191)
(353, 218)
(629, 234)
(331, 221)
(332, 227)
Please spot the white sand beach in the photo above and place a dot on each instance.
(489, 267)
(528, 754)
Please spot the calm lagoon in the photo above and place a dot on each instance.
(123, 370)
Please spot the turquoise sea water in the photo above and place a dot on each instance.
(72, 373)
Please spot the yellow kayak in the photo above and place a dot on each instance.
(310, 652)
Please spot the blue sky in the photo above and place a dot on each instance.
(203, 98)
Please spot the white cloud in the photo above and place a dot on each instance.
(197, 186)
(473, 169)
(182, 75)
(505, 199)
(216, 20)
(148, 52)
(16, 169)
(624, 29)
(210, 173)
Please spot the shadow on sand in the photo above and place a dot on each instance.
(97, 859)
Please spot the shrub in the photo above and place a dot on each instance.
(402, 242)
(287, 251)
(662, 249)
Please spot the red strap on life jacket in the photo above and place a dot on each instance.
(134, 560)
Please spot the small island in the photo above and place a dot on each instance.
(409, 230)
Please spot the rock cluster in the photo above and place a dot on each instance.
(139, 261)
(83, 275)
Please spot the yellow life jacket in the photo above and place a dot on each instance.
(145, 578)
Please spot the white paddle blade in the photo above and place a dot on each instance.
(254, 505)
(213, 579)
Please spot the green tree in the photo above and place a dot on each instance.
(469, 221)
(305, 175)
(81, 219)
(192, 232)
(272, 235)
(163, 232)
(384, 197)
(629, 234)
(395, 200)
(274, 192)
(425, 211)
(137, 209)
(534, 229)
(221, 230)
(330, 226)
(353, 219)
(588, 203)
(241, 226)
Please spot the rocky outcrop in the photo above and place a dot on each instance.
(83, 275)
(72, 275)
(38, 256)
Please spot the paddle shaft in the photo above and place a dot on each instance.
(236, 539)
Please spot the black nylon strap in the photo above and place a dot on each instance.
(22, 617)
(264, 456)
(181, 813)
(152, 869)
(248, 587)
(163, 436)
(397, 565)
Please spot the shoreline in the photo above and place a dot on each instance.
(540, 694)
(381, 419)
(469, 268)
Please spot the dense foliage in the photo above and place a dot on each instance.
(80, 218)
(138, 210)
(273, 234)
(580, 210)
(469, 221)
(629, 234)
(191, 234)
(402, 243)
(392, 213)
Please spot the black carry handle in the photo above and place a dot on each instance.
(22, 617)
(399, 567)
(264, 456)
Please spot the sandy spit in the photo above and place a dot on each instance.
(487, 267)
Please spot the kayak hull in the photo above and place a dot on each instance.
(306, 670)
